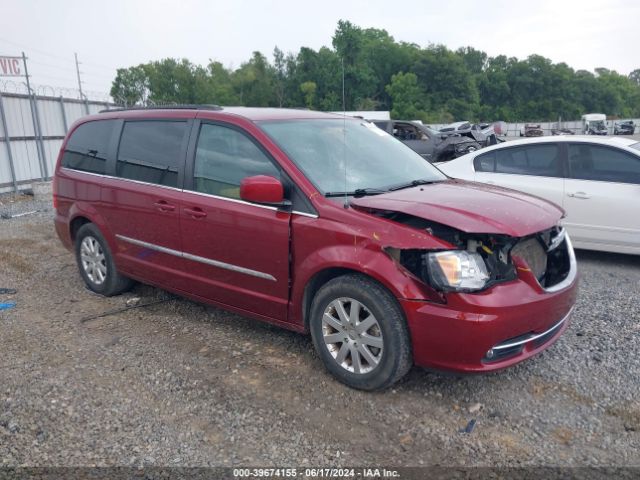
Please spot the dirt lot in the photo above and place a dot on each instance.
(182, 384)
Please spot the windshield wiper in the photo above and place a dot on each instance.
(412, 183)
(358, 192)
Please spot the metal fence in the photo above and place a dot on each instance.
(32, 128)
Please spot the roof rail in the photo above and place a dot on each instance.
(164, 107)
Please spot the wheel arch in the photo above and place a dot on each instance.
(82, 213)
(325, 275)
(76, 224)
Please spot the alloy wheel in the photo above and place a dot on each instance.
(352, 335)
(93, 260)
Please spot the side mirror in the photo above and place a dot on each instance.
(262, 189)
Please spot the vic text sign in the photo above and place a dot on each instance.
(11, 67)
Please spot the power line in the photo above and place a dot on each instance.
(59, 67)
(21, 45)
(38, 75)
(98, 65)
(54, 55)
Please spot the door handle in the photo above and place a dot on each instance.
(195, 212)
(164, 206)
(580, 195)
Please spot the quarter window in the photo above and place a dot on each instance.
(224, 157)
(87, 147)
(539, 160)
(151, 151)
(593, 162)
(485, 162)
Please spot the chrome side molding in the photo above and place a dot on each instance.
(196, 258)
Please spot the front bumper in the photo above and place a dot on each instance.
(492, 329)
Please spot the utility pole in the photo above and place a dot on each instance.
(37, 129)
(82, 97)
(78, 73)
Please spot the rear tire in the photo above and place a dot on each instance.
(96, 264)
(360, 333)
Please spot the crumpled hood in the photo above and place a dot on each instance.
(470, 207)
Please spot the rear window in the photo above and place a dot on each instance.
(150, 151)
(87, 147)
(538, 160)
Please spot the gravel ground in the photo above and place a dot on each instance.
(180, 384)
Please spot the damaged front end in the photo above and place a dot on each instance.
(455, 146)
(479, 261)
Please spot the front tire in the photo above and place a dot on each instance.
(360, 333)
(96, 264)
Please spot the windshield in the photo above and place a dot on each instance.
(374, 159)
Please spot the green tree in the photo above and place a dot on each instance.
(131, 86)
(254, 82)
(280, 75)
(359, 78)
(220, 85)
(434, 83)
(309, 91)
(448, 84)
(172, 81)
(474, 60)
(406, 96)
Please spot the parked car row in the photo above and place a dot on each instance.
(320, 224)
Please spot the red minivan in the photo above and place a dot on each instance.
(321, 224)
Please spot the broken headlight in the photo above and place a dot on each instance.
(457, 270)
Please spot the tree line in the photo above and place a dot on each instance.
(433, 84)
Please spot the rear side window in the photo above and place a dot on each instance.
(224, 157)
(485, 162)
(87, 147)
(593, 162)
(539, 160)
(151, 151)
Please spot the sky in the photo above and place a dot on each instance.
(112, 34)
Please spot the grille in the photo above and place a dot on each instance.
(532, 252)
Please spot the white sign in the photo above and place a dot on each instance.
(11, 67)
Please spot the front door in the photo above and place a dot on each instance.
(236, 252)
